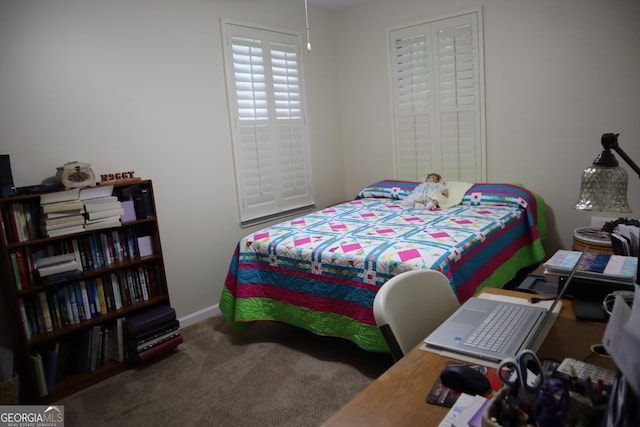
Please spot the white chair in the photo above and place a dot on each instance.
(410, 306)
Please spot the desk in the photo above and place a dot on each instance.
(398, 397)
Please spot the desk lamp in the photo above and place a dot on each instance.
(604, 183)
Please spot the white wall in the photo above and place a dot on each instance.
(140, 86)
(558, 75)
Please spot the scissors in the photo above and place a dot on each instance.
(551, 406)
(522, 373)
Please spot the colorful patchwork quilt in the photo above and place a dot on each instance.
(321, 271)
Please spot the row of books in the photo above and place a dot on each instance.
(82, 354)
(22, 220)
(83, 253)
(70, 211)
(65, 305)
(152, 332)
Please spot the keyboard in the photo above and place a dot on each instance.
(497, 328)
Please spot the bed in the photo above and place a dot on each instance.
(321, 271)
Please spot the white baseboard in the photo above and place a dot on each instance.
(199, 316)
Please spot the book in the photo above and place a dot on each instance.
(144, 321)
(145, 246)
(96, 192)
(40, 375)
(116, 343)
(59, 196)
(618, 268)
(20, 222)
(50, 364)
(45, 312)
(159, 339)
(116, 213)
(110, 223)
(161, 329)
(66, 230)
(70, 205)
(46, 261)
(109, 219)
(69, 223)
(23, 268)
(85, 300)
(26, 324)
(16, 271)
(96, 207)
(64, 276)
(69, 219)
(57, 264)
(129, 213)
(142, 203)
(160, 349)
(60, 214)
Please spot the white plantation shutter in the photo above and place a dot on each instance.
(438, 99)
(268, 123)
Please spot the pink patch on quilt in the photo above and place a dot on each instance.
(301, 242)
(413, 218)
(298, 222)
(338, 227)
(368, 215)
(351, 247)
(463, 221)
(440, 235)
(484, 212)
(385, 231)
(329, 211)
(409, 254)
(261, 236)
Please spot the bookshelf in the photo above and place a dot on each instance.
(69, 327)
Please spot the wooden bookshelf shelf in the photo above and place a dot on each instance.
(69, 329)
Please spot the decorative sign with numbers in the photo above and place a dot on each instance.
(110, 178)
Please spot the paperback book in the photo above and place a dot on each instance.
(594, 265)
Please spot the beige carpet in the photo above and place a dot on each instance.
(272, 375)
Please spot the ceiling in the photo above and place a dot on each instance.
(335, 4)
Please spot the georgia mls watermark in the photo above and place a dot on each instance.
(31, 416)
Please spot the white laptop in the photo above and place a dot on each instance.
(476, 329)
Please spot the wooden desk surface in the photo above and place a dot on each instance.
(398, 396)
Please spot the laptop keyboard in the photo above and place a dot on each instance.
(497, 328)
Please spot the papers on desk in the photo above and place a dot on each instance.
(622, 339)
(466, 412)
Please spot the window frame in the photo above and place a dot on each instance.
(269, 132)
(423, 136)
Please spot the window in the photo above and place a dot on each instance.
(271, 155)
(437, 89)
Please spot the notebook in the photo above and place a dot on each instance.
(493, 330)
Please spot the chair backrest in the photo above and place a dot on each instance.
(409, 306)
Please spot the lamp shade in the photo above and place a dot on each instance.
(604, 188)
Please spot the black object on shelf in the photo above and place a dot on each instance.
(538, 285)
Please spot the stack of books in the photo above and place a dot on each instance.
(62, 213)
(152, 332)
(604, 267)
(57, 268)
(101, 208)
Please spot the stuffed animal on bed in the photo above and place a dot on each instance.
(429, 194)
